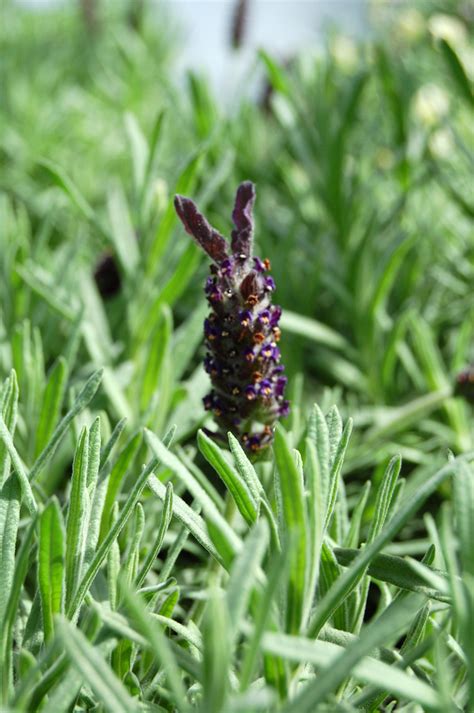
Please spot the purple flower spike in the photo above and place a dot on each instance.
(241, 330)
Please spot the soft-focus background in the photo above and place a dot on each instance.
(313, 579)
(355, 121)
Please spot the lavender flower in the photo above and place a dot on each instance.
(241, 332)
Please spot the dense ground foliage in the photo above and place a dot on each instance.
(144, 567)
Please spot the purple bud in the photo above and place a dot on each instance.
(250, 393)
(210, 285)
(264, 317)
(245, 317)
(280, 385)
(266, 388)
(270, 351)
(284, 409)
(269, 284)
(275, 315)
(227, 267)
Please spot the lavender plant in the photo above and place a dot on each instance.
(241, 332)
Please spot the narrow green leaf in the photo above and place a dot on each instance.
(315, 518)
(237, 487)
(464, 510)
(324, 656)
(154, 355)
(277, 573)
(109, 446)
(396, 570)
(214, 517)
(62, 181)
(315, 331)
(148, 628)
(51, 565)
(186, 515)
(166, 515)
(243, 575)
(27, 493)
(77, 514)
(293, 509)
(11, 611)
(457, 72)
(94, 669)
(183, 186)
(122, 232)
(246, 469)
(139, 150)
(335, 472)
(9, 411)
(335, 429)
(110, 538)
(51, 406)
(352, 575)
(275, 73)
(217, 653)
(319, 433)
(352, 539)
(114, 481)
(83, 399)
(384, 497)
(10, 496)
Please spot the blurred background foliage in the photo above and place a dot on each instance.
(362, 156)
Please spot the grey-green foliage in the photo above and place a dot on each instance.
(272, 613)
(137, 573)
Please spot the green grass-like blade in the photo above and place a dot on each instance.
(186, 515)
(77, 515)
(214, 517)
(10, 497)
(324, 655)
(119, 469)
(217, 653)
(237, 487)
(315, 519)
(113, 533)
(11, 611)
(351, 576)
(51, 405)
(150, 631)
(394, 570)
(154, 550)
(83, 399)
(294, 524)
(27, 493)
(51, 580)
(9, 411)
(243, 575)
(94, 669)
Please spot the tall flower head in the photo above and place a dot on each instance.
(241, 331)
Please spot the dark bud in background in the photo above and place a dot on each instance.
(107, 277)
(241, 331)
(90, 16)
(465, 384)
(239, 22)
